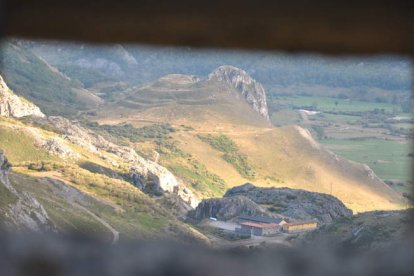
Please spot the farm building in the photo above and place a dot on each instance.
(261, 219)
(301, 226)
(258, 229)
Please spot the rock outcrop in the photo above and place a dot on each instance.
(23, 211)
(281, 202)
(377, 229)
(57, 147)
(251, 90)
(147, 174)
(4, 171)
(226, 208)
(295, 204)
(12, 105)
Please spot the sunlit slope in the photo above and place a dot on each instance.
(87, 194)
(184, 100)
(280, 157)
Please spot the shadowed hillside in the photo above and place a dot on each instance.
(33, 78)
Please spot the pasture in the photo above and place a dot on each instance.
(390, 160)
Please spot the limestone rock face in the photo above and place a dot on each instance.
(147, 174)
(295, 204)
(276, 202)
(251, 90)
(4, 170)
(55, 146)
(12, 105)
(24, 212)
(226, 208)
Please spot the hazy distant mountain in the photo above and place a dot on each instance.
(140, 64)
(35, 79)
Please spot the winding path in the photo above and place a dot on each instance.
(115, 233)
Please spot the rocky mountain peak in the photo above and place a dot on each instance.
(12, 105)
(251, 90)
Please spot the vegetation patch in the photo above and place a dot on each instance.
(170, 149)
(201, 180)
(19, 147)
(230, 152)
(133, 134)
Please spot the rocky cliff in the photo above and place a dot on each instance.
(21, 211)
(226, 208)
(12, 105)
(295, 204)
(251, 90)
(281, 202)
(146, 174)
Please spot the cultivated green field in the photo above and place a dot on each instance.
(388, 159)
(329, 104)
(337, 118)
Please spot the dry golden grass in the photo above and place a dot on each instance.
(281, 157)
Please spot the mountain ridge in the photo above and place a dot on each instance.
(12, 105)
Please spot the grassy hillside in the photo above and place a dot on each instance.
(230, 152)
(389, 159)
(34, 79)
(218, 132)
(363, 231)
(177, 99)
(88, 195)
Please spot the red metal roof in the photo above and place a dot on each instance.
(260, 225)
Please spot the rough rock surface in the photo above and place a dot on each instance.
(377, 229)
(226, 208)
(25, 212)
(150, 175)
(56, 146)
(295, 204)
(251, 90)
(12, 105)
